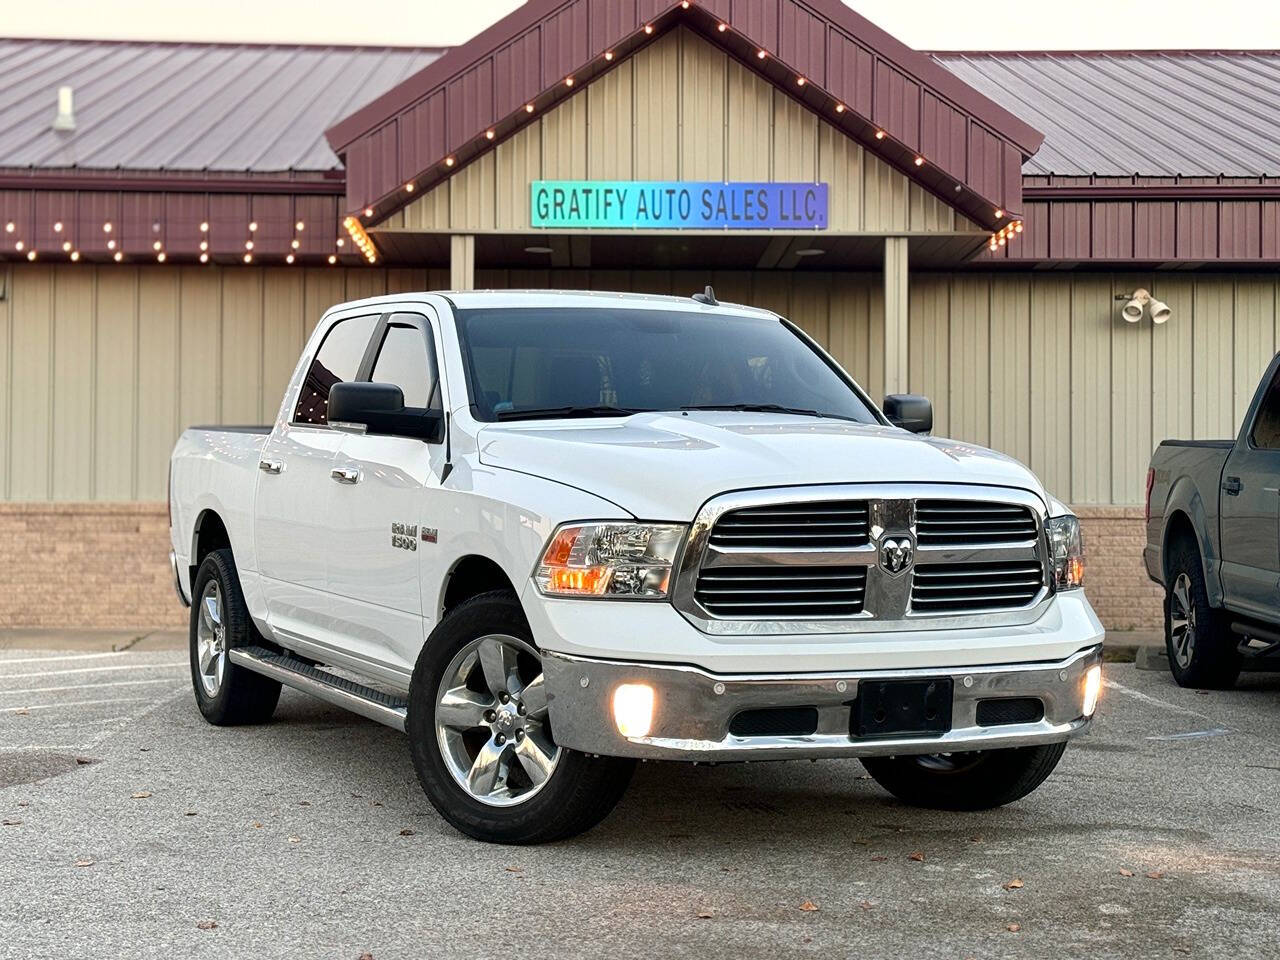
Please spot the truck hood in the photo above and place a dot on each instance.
(661, 466)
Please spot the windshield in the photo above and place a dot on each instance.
(525, 363)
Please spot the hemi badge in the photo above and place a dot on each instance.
(430, 534)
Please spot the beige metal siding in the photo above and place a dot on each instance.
(1042, 367)
(680, 109)
(102, 367)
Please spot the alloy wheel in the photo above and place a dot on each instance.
(1182, 621)
(491, 721)
(211, 640)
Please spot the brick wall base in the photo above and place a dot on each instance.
(69, 565)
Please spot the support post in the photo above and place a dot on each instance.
(462, 262)
(895, 314)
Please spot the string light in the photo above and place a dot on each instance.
(299, 226)
(339, 242)
(66, 245)
(408, 187)
(648, 28)
(919, 161)
(288, 258)
(368, 212)
(608, 54)
(31, 254)
(106, 227)
(160, 257)
(204, 258)
(19, 246)
(157, 245)
(248, 258)
(488, 134)
(1017, 226)
(111, 244)
(528, 108)
(253, 225)
(204, 227)
(295, 243)
(117, 256)
(722, 27)
(684, 4)
(800, 81)
(839, 108)
(9, 227)
(879, 134)
(57, 227)
(568, 81)
(75, 255)
(999, 214)
(448, 161)
(332, 259)
(760, 54)
(204, 244)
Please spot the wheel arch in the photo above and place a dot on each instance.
(1187, 518)
(469, 576)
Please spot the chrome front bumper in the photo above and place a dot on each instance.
(693, 709)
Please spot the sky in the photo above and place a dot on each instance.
(923, 24)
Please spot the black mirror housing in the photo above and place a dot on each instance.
(380, 409)
(910, 411)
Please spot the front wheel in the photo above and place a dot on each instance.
(977, 780)
(481, 738)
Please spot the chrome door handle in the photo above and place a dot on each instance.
(345, 474)
(271, 466)
(1232, 486)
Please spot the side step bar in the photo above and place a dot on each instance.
(292, 672)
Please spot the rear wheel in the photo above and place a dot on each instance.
(975, 780)
(225, 693)
(1202, 651)
(481, 738)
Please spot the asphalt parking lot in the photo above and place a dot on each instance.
(131, 828)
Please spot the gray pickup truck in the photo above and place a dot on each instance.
(1213, 543)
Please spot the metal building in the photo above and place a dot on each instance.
(176, 217)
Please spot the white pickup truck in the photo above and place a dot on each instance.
(547, 534)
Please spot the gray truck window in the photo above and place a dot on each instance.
(404, 361)
(1266, 426)
(337, 360)
(539, 360)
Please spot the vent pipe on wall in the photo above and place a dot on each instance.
(65, 118)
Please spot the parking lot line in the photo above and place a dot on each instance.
(73, 703)
(132, 666)
(1153, 701)
(72, 656)
(87, 686)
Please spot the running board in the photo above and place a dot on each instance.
(292, 672)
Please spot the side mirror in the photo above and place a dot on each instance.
(380, 409)
(910, 411)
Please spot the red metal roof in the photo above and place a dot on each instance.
(972, 148)
(187, 106)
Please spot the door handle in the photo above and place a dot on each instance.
(271, 466)
(345, 474)
(1232, 486)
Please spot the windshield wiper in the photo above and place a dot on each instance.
(767, 408)
(553, 413)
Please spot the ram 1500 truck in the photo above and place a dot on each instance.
(1213, 543)
(549, 534)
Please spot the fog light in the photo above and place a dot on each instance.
(1092, 687)
(633, 709)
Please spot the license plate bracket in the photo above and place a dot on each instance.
(902, 708)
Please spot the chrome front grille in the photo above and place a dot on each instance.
(783, 591)
(946, 522)
(831, 523)
(978, 585)
(830, 559)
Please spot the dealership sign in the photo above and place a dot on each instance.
(677, 205)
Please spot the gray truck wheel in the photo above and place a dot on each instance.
(482, 742)
(976, 780)
(227, 695)
(1202, 651)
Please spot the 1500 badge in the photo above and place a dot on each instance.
(404, 536)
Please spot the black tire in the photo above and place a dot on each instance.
(581, 790)
(966, 781)
(1206, 654)
(242, 696)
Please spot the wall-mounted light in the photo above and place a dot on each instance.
(1141, 301)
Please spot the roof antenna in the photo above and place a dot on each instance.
(708, 296)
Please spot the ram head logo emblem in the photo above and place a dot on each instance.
(895, 555)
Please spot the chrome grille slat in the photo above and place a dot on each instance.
(975, 586)
(819, 524)
(954, 522)
(746, 592)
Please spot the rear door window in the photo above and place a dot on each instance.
(337, 361)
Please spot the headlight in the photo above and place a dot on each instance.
(1066, 550)
(631, 560)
